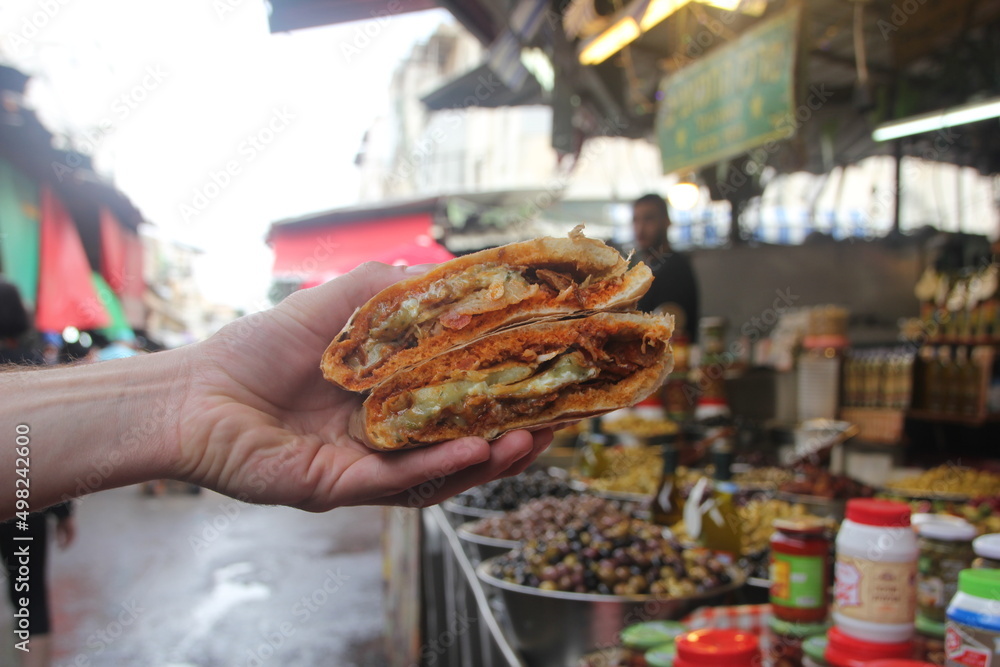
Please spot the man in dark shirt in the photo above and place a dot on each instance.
(674, 288)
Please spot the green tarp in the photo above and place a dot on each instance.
(119, 328)
(19, 230)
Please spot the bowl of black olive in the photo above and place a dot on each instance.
(574, 591)
(504, 494)
(541, 518)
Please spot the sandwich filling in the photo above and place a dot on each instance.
(452, 302)
(516, 387)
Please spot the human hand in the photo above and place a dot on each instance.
(259, 422)
(65, 532)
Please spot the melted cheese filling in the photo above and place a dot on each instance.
(520, 381)
(485, 288)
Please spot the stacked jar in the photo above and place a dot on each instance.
(945, 550)
(875, 581)
(972, 638)
(717, 648)
(987, 550)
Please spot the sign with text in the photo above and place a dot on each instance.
(735, 98)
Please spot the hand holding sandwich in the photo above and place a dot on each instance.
(245, 412)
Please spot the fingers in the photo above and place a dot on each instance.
(509, 451)
(327, 307)
(542, 439)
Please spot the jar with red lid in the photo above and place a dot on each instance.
(717, 648)
(800, 555)
(875, 579)
(843, 650)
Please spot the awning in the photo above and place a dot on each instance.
(66, 294)
(297, 14)
(481, 87)
(317, 253)
(119, 328)
(19, 230)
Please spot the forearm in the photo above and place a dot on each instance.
(89, 427)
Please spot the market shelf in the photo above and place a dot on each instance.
(967, 420)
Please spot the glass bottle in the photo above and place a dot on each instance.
(720, 529)
(667, 508)
(592, 458)
(936, 378)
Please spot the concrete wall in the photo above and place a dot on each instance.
(874, 280)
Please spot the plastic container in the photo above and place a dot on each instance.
(717, 648)
(928, 642)
(787, 639)
(972, 634)
(800, 554)
(644, 636)
(945, 550)
(843, 650)
(661, 656)
(987, 550)
(814, 650)
(876, 572)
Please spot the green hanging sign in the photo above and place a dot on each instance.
(737, 97)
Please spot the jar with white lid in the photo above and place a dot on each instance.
(945, 550)
(875, 578)
(987, 550)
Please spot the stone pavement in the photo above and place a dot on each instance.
(205, 581)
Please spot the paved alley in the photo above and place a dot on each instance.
(205, 581)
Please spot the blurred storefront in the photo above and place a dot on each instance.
(844, 160)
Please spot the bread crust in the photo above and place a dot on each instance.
(578, 254)
(370, 423)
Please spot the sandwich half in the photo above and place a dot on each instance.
(528, 376)
(469, 296)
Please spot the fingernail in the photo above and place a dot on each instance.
(418, 268)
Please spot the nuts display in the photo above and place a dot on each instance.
(756, 522)
(768, 477)
(813, 480)
(508, 493)
(543, 518)
(950, 480)
(611, 556)
(640, 427)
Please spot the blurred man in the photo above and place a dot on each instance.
(674, 289)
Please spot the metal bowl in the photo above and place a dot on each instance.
(558, 628)
(459, 514)
(486, 547)
(817, 505)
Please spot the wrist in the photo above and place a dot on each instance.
(98, 426)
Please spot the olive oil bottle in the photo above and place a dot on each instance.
(667, 508)
(720, 529)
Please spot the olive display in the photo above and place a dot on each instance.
(508, 493)
(611, 556)
(543, 518)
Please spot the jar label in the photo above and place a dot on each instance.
(875, 591)
(963, 649)
(797, 581)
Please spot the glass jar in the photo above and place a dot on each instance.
(800, 554)
(945, 550)
(717, 648)
(987, 550)
(787, 639)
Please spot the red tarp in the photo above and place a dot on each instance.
(66, 295)
(316, 254)
(112, 251)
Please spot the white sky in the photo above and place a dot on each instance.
(168, 93)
